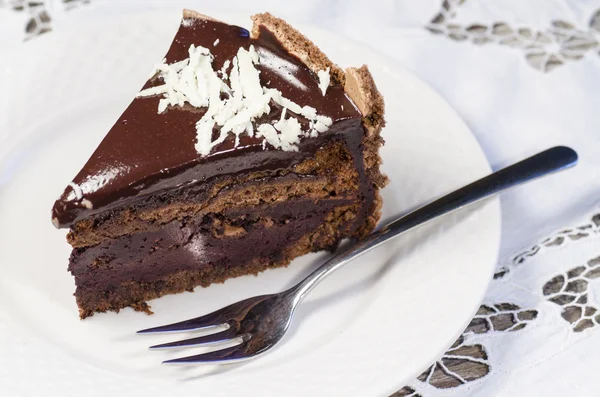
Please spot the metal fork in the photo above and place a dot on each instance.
(257, 324)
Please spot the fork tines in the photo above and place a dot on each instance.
(194, 324)
(222, 333)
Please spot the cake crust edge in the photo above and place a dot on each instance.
(298, 45)
(360, 87)
(195, 14)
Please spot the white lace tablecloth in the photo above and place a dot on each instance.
(525, 75)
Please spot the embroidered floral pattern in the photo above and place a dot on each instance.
(465, 362)
(545, 50)
(406, 391)
(462, 363)
(570, 290)
(39, 20)
(558, 239)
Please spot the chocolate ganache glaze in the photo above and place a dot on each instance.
(146, 152)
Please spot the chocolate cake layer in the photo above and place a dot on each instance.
(204, 246)
(330, 172)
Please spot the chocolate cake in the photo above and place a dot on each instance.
(243, 150)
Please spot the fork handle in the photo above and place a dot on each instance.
(549, 161)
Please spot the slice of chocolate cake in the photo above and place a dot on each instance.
(244, 150)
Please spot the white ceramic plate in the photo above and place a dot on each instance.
(363, 332)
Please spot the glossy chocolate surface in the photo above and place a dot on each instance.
(146, 152)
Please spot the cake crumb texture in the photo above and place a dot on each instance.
(136, 293)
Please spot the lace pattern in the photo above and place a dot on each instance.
(560, 43)
(571, 291)
(39, 19)
(561, 304)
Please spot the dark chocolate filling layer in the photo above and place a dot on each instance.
(219, 240)
(146, 152)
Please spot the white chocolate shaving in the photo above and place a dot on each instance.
(233, 101)
(77, 190)
(188, 22)
(324, 79)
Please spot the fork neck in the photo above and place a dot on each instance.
(343, 256)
